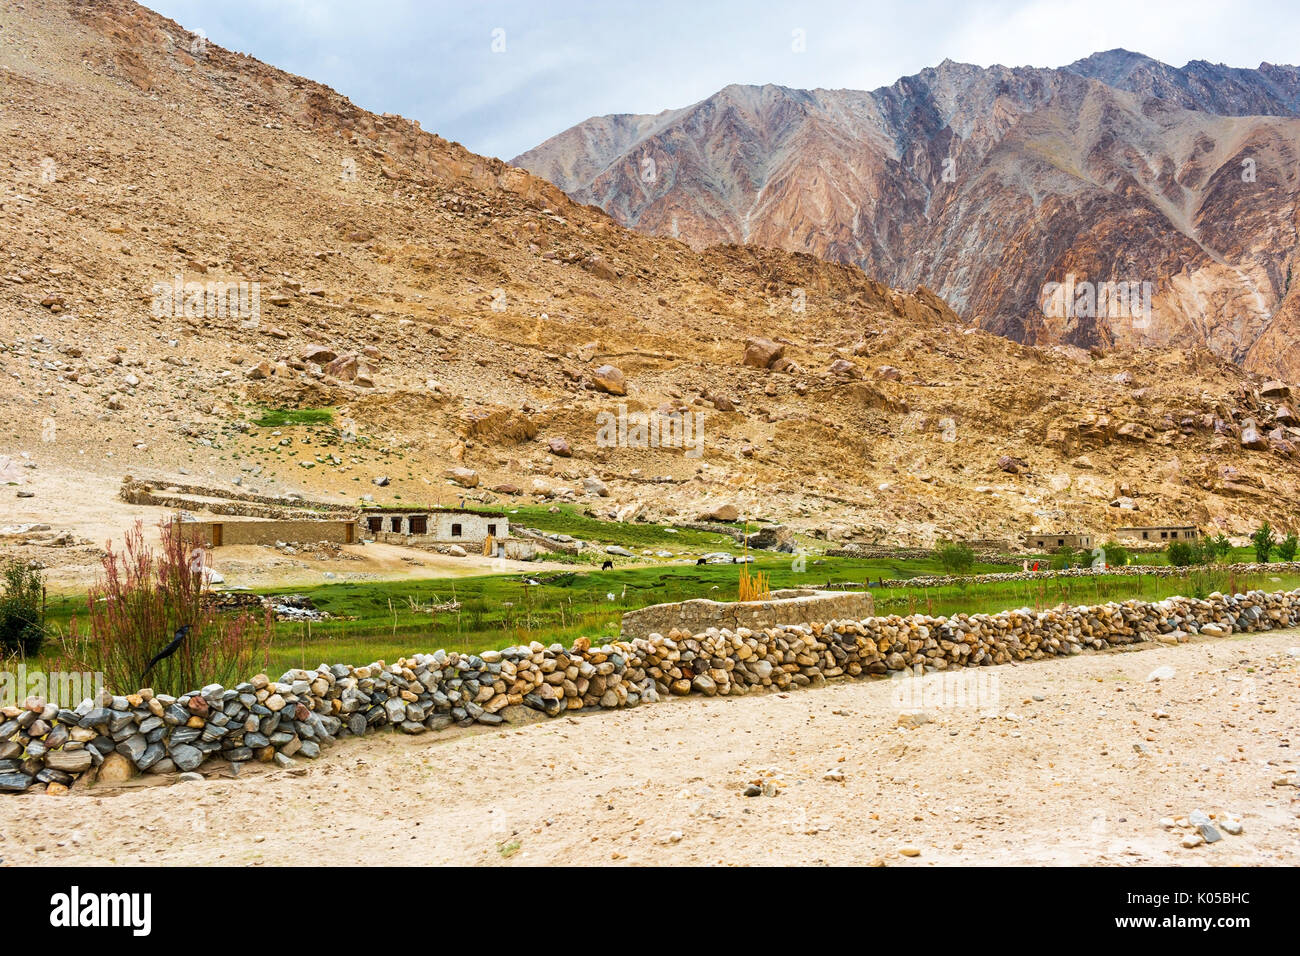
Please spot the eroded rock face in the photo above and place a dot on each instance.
(974, 212)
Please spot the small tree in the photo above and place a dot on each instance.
(22, 608)
(1264, 541)
(955, 556)
(1286, 548)
(1181, 554)
(1112, 554)
(1218, 547)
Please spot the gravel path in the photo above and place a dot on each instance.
(1084, 759)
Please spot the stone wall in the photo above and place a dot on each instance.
(985, 552)
(271, 532)
(791, 606)
(1150, 570)
(44, 747)
(220, 501)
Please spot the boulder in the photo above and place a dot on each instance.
(465, 477)
(762, 353)
(609, 379)
(723, 512)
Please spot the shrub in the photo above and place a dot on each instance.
(1218, 547)
(1286, 548)
(22, 609)
(956, 557)
(136, 608)
(1264, 541)
(1113, 554)
(1183, 554)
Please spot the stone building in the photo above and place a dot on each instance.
(1161, 534)
(1058, 540)
(469, 530)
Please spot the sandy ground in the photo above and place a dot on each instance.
(1082, 776)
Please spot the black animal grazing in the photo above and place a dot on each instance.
(699, 562)
(181, 633)
(608, 565)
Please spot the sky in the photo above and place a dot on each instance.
(502, 76)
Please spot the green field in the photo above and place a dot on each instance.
(388, 619)
(384, 620)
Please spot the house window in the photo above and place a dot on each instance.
(492, 530)
(1145, 535)
(1060, 542)
(455, 531)
(1163, 535)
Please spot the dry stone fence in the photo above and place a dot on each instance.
(1147, 570)
(45, 747)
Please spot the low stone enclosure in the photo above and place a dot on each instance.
(789, 606)
(43, 747)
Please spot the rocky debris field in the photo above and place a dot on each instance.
(1096, 759)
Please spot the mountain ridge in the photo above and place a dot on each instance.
(957, 162)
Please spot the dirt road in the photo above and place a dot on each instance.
(1085, 757)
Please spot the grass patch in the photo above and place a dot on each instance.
(280, 417)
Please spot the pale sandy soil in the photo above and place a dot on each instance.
(1056, 781)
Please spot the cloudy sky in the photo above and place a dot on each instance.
(501, 76)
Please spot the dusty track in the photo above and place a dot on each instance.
(1062, 781)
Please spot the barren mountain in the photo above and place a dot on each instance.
(987, 185)
(459, 313)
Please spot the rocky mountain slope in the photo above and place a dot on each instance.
(987, 185)
(468, 324)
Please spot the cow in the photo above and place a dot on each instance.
(608, 565)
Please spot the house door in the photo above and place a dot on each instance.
(216, 535)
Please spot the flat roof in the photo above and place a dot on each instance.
(430, 510)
